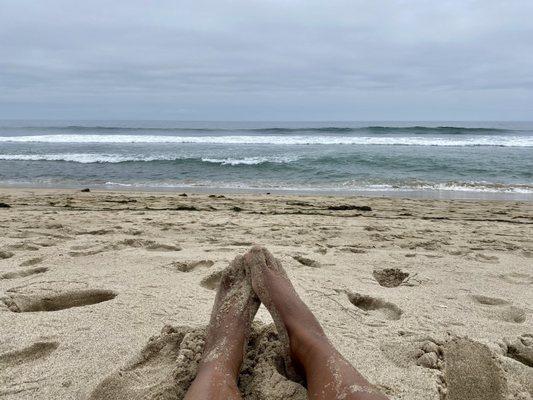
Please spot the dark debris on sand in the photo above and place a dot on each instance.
(183, 207)
(343, 207)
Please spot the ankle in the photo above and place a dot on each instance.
(210, 383)
(308, 343)
(218, 371)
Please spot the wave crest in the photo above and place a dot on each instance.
(250, 160)
(485, 140)
(86, 158)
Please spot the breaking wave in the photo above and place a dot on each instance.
(482, 140)
(117, 158)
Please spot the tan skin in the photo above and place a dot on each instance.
(329, 376)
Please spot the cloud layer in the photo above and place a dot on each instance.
(268, 59)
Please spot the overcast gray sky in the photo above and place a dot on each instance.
(267, 59)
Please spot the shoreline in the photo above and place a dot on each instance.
(420, 194)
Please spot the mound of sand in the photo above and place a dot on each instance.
(166, 366)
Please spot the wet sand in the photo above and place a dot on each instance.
(429, 299)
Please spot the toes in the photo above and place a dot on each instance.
(259, 255)
(270, 259)
(255, 257)
(233, 273)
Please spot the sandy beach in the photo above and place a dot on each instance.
(105, 294)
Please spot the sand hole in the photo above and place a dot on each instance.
(58, 301)
(28, 354)
(23, 273)
(390, 277)
(367, 303)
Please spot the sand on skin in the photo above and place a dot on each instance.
(121, 266)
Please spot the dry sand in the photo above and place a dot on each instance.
(429, 299)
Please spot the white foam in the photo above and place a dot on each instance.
(486, 140)
(446, 187)
(82, 158)
(86, 158)
(250, 160)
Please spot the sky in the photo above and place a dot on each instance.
(333, 60)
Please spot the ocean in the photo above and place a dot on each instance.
(491, 160)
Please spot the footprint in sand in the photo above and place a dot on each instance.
(45, 242)
(490, 301)
(128, 243)
(96, 232)
(83, 253)
(501, 309)
(212, 280)
(4, 254)
(23, 273)
(166, 366)
(390, 277)
(307, 262)
(27, 246)
(25, 369)
(142, 243)
(56, 301)
(28, 354)
(513, 314)
(517, 278)
(32, 261)
(486, 258)
(187, 266)
(521, 349)
(406, 353)
(371, 304)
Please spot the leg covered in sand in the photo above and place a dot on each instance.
(329, 376)
(227, 335)
(307, 349)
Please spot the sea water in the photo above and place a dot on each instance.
(437, 159)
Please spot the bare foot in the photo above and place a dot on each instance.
(227, 335)
(294, 321)
(328, 374)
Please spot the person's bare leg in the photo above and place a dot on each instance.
(227, 334)
(329, 376)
